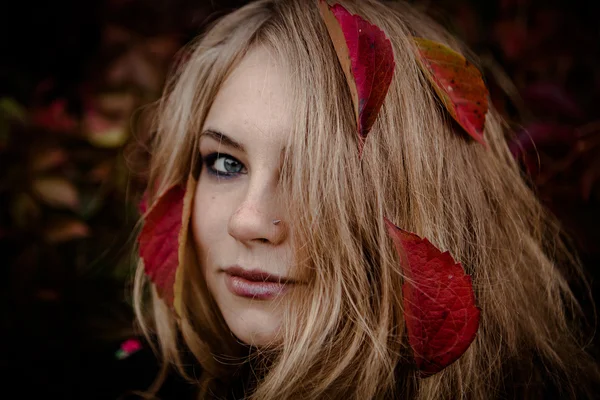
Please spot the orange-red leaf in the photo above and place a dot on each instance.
(458, 83)
(66, 229)
(367, 58)
(47, 158)
(439, 303)
(163, 238)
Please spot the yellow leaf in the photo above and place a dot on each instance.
(57, 192)
(111, 138)
(102, 132)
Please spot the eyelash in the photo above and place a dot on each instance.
(210, 160)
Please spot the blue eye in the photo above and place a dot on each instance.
(223, 165)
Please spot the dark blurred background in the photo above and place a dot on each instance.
(73, 77)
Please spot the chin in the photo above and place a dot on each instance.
(254, 327)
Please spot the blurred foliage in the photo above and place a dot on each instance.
(68, 192)
(69, 105)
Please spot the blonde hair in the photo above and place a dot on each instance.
(345, 338)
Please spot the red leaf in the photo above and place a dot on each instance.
(55, 117)
(162, 240)
(439, 303)
(513, 37)
(547, 98)
(367, 58)
(458, 83)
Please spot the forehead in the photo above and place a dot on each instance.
(254, 101)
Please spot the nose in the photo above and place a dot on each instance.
(253, 220)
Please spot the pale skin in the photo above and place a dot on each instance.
(236, 200)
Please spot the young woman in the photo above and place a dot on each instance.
(289, 285)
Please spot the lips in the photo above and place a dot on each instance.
(255, 284)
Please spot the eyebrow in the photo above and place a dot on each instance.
(227, 141)
(223, 139)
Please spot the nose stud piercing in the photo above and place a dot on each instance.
(276, 221)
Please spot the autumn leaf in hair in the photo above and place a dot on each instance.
(163, 238)
(457, 82)
(366, 56)
(439, 303)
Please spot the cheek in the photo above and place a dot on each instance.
(210, 217)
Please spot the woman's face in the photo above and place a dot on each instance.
(245, 256)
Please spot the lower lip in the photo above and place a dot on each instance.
(254, 290)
